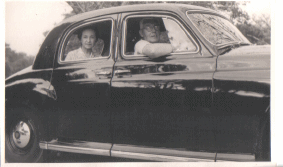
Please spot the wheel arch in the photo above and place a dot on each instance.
(35, 96)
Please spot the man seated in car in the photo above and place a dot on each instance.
(150, 44)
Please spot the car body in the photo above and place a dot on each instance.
(208, 103)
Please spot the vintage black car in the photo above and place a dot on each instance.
(207, 101)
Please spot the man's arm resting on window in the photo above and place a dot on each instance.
(157, 49)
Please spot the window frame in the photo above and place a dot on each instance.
(124, 32)
(71, 31)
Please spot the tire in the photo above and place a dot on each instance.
(22, 137)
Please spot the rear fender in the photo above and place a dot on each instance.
(29, 92)
(31, 96)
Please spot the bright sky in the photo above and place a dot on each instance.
(27, 20)
(258, 7)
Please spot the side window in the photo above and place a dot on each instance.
(178, 37)
(170, 31)
(88, 41)
(215, 29)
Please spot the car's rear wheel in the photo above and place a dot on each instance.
(22, 138)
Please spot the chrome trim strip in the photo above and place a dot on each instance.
(234, 157)
(79, 150)
(143, 153)
(155, 157)
(157, 152)
(93, 148)
(116, 49)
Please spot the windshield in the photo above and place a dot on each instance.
(216, 29)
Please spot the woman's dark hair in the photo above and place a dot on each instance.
(80, 31)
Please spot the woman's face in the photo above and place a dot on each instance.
(88, 38)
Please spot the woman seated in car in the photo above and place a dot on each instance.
(91, 45)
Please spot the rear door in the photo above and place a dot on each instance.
(83, 86)
(163, 102)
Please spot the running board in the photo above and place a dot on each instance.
(143, 153)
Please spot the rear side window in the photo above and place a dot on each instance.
(171, 31)
(89, 41)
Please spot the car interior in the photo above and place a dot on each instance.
(103, 29)
(132, 35)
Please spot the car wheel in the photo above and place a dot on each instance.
(22, 138)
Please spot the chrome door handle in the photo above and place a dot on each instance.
(122, 71)
(103, 73)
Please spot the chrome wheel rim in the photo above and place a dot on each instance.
(21, 134)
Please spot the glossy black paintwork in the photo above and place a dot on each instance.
(241, 96)
(83, 91)
(164, 103)
(28, 84)
(199, 101)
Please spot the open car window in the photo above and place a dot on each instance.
(171, 31)
(178, 38)
(76, 42)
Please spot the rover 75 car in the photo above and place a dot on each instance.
(209, 100)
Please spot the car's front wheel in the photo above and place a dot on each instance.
(22, 138)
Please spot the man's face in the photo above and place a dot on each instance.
(150, 32)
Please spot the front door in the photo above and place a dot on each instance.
(163, 102)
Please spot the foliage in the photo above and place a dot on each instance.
(15, 61)
(252, 28)
(255, 33)
(85, 6)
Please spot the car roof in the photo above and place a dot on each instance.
(130, 8)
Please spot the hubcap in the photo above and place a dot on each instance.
(21, 134)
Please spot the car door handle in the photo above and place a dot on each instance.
(122, 71)
(103, 73)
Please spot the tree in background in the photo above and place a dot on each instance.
(15, 61)
(257, 30)
(86, 6)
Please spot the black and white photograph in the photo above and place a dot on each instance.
(137, 81)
